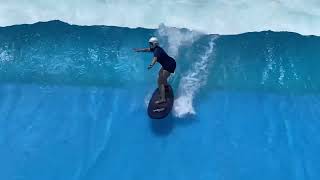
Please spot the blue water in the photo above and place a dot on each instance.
(73, 105)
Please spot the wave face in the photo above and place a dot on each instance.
(209, 16)
(73, 105)
(58, 53)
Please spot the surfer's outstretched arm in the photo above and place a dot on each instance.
(142, 50)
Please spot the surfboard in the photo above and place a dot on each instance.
(160, 111)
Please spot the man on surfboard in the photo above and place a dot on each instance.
(168, 65)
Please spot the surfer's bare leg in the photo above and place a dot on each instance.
(166, 75)
(162, 82)
(159, 79)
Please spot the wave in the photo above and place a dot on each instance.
(54, 52)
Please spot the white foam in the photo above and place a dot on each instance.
(147, 99)
(214, 16)
(281, 72)
(270, 64)
(176, 38)
(5, 56)
(192, 81)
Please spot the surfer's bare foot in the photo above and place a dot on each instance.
(160, 101)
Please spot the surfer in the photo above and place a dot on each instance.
(168, 65)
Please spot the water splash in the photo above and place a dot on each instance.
(177, 38)
(270, 64)
(5, 55)
(194, 79)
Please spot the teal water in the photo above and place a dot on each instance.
(73, 105)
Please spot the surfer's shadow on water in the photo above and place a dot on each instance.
(164, 127)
